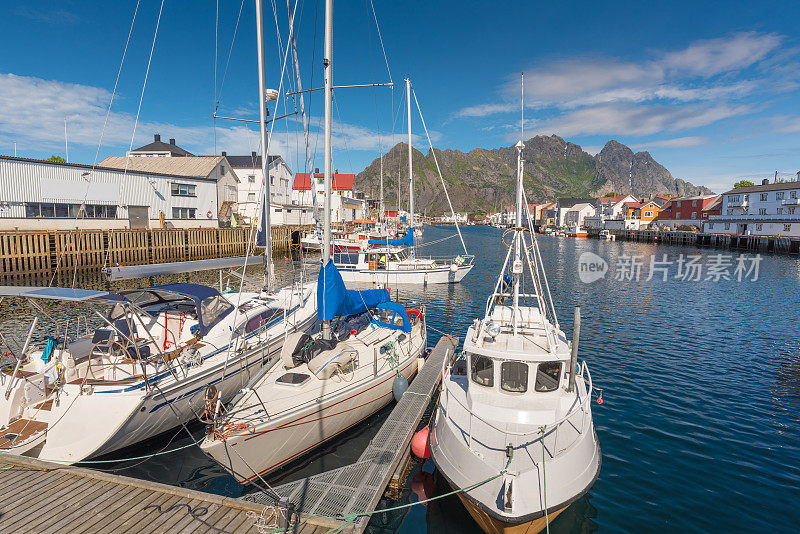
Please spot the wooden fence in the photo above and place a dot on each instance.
(44, 254)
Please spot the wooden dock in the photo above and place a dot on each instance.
(357, 488)
(41, 497)
(25, 255)
(755, 243)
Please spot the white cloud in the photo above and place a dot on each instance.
(711, 57)
(482, 110)
(678, 142)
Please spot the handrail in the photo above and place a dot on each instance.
(584, 368)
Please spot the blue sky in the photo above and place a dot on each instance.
(713, 92)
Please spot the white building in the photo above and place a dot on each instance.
(248, 170)
(563, 205)
(766, 209)
(609, 209)
(44, 195)
(578, 213)
(344, 204)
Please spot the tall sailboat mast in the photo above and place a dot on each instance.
(518, 238)
(328, 74)
(266, 237)
(410, 161)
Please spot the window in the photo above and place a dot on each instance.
(762, 211)
(271, 180)
(184, 213)
(514, 377)
(648, 214)
(793, 194)
(791, 211)
(787, 227)
(69, 211)
(222, 170)
(482, 370)
(710, 226)
(759, 227)
(183, 190)
(694, 215)
(251, 197)
(780, 211)
(251, 178)
(730, 212)
(678, 204)
(779, 195)
(694, 203)
(764, 196)
(727, 226)
(746, 198)
(214, 308)
(548, 376)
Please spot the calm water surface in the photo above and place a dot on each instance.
(700, 428)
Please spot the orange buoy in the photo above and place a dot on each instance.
(420, 445)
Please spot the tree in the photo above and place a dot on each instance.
(57, 159)
(609, 195)
(743, 183)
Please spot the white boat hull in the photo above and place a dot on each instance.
(442, 275)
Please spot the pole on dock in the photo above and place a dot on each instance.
(573, 359)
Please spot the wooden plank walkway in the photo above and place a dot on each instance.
(357, 488)
(42, 497)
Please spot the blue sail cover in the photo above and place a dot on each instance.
(398, 309)
(405, 241)
(335, 300)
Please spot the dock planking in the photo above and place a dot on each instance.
(357, 488)
(43, 497)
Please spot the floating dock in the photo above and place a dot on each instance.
(357, 488)
(756, 243)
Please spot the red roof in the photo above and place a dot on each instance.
(341, 182)
(611, 200)
(633, 204)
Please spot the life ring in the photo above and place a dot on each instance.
(209, 214)
(414, 315)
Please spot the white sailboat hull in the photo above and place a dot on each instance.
(439, 275)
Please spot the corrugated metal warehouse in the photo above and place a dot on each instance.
(44, 195)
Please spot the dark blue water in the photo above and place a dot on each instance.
(700, 428)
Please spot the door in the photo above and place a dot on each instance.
(138, 217)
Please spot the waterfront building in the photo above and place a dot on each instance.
(345, 206)
(609, 209)
(685, 211)
(576, 215)
(767, 209)
(181, 192)
(563, 205)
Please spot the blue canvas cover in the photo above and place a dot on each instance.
(335, 300)
(398, 309)
(405, 241)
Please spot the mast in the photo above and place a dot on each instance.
(265, 237)
(517, 267)
(380, 202)
(328, 73)
(410, 163)
(309, 161)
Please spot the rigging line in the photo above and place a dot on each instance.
(436, 161)
(380, 37)
(216, 53)
(344, 136)
(218, 96)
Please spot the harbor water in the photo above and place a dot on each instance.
(699, 369)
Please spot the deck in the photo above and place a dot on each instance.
(42, 497)
(357, 488)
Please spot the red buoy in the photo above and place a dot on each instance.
(420, 445)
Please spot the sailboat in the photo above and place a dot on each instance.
(158, 357)
(395, 261)
(325, 383)
(513, 430)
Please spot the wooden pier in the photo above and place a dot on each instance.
(357, 488)
(42, 497)
(26, 255)
(755, 243)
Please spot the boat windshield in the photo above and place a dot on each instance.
(482, 370)
(213, 308)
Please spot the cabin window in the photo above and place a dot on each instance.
(548, 376)
(262, 319)
(212, 308)
(514, 377)
(482, 370)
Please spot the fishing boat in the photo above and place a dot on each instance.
(513, 431)
(327, 382)
(576, 231)
(395, 261)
